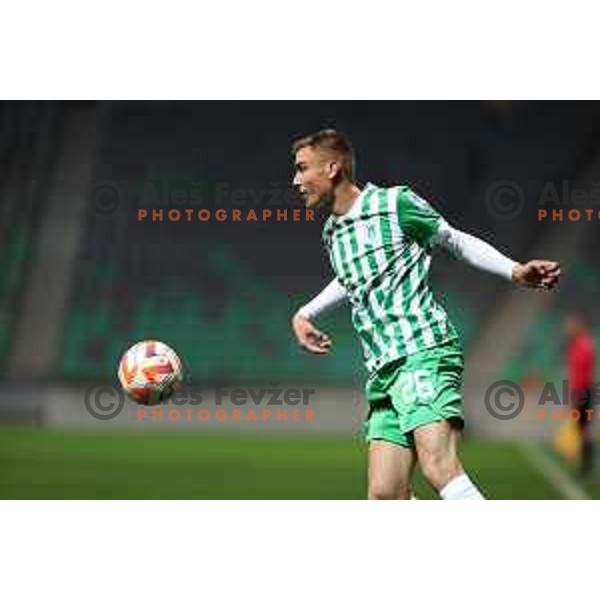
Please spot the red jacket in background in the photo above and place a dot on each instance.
(580, 362)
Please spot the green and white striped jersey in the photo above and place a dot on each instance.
(380, 253)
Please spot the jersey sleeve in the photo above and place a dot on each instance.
(418, 219)
(474, 251)
(333, 295)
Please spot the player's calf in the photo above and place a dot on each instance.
(439, 468)
(437, 450)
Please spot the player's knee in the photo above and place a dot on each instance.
(379, 491)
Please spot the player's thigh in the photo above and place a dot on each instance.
(437, 446)
(390, 470)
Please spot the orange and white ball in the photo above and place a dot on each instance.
(150, 371)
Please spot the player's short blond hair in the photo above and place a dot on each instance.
(334, 144)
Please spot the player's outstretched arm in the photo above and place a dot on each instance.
(308, 336)
(542, 274)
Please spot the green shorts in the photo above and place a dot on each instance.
(413, 391)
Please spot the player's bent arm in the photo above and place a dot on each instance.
(333, 295)
(474, 251)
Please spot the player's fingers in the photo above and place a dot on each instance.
(314, 349)
(549, 282)
(550, 270)
(552, 276)
(548, 266)
(314, 344)
(314, 332)
(555, 272)
(320, 336)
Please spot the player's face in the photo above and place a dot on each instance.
(314, 176)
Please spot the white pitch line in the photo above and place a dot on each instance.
(553, 472)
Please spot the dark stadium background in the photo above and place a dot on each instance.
(83, 278)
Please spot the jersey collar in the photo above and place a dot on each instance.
(356, 206)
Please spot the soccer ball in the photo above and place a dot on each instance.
(150, 372)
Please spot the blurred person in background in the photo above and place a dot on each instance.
(580, 359)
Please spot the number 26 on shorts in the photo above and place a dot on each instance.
(415, 386)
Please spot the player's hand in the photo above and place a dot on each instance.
(309, 337)
(542, 274)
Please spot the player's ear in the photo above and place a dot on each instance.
(333, 168)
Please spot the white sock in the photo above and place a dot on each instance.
(461, 488)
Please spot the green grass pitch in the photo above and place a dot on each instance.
(40, 463)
